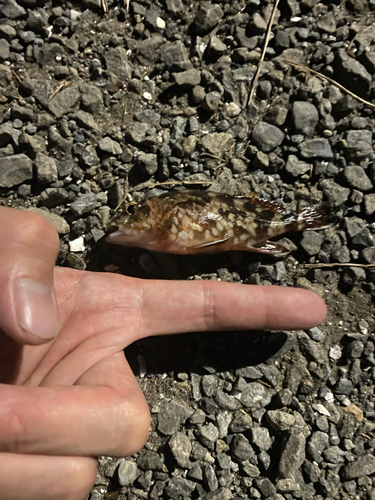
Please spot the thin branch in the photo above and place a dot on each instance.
(336, 264)
(60, 87)
(105, 6)
(266, 42)
(328, 79)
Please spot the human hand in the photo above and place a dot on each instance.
(67, 392)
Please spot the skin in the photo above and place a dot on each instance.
(70, 396)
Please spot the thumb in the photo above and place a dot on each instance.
(28, 250)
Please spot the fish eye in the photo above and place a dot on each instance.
(131, 208)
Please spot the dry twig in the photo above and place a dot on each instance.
(266, 42)
(126, 5)
(328, 79)
(105, 6)
(336, 264)
(57, 90)
(16, 77)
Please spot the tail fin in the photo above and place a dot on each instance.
(313, 217)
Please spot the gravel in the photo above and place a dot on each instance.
(90, 102)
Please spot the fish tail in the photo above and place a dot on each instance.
(313, 217)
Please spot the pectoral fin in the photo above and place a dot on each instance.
(270, 248)
(207, 244)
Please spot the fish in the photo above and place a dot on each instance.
(190, 222)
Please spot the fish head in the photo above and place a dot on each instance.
(133, 227)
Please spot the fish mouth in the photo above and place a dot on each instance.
(112, 228)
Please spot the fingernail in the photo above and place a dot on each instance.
(36, 308)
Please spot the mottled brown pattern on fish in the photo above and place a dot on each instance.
(192, 222)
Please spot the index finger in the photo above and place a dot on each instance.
(178, 307)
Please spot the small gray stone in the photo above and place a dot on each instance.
(83, 204)
(179, 487)
(219, 494)
(260, 436)
(305, 117)
(66, 100)
(296, 167)
(209, 385)
(216, 47)
(189, 78)
(5, 76)
(255, 396)
(266, 487)
(287, 485)
(356, 177)
(91, 98)
(241, 449)
(311, 242)
(316, 149)
(207, 18)
(174, 6)
(280, 420)
(217, 143)
(109, 146)
(11, 10)
(180, 447)
(292, 452)
(175, 54)
(369, 202)
(311, 471)
(353, 275)
(208, 435)
(358, 144)
(327, 23)
(136, 132)
(127, 472)
(150, 460)
(316, 334)
(363, 239)
(148, 163)
(266, 137)
(210, 477)
(226, 402)
(336, 194)
(46, 169)
(363, 466)
(8, 134)
(4, 50)
(116, 60)
(241, 422)
(85, 120)
(317, 443)
(171, 416)
(211, 101)
(15, 170)
(52, 197)
(352, 74)
(334, 455)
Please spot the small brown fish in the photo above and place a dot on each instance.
(195, 222)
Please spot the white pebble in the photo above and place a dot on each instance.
(160, 23)
(147, 96)
(232, 109)
(77, 245)
(335, 352)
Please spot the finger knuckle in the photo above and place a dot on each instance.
(79, 478)
(35, 227)
(133, 430)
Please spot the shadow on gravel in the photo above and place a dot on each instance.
(208, 352)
